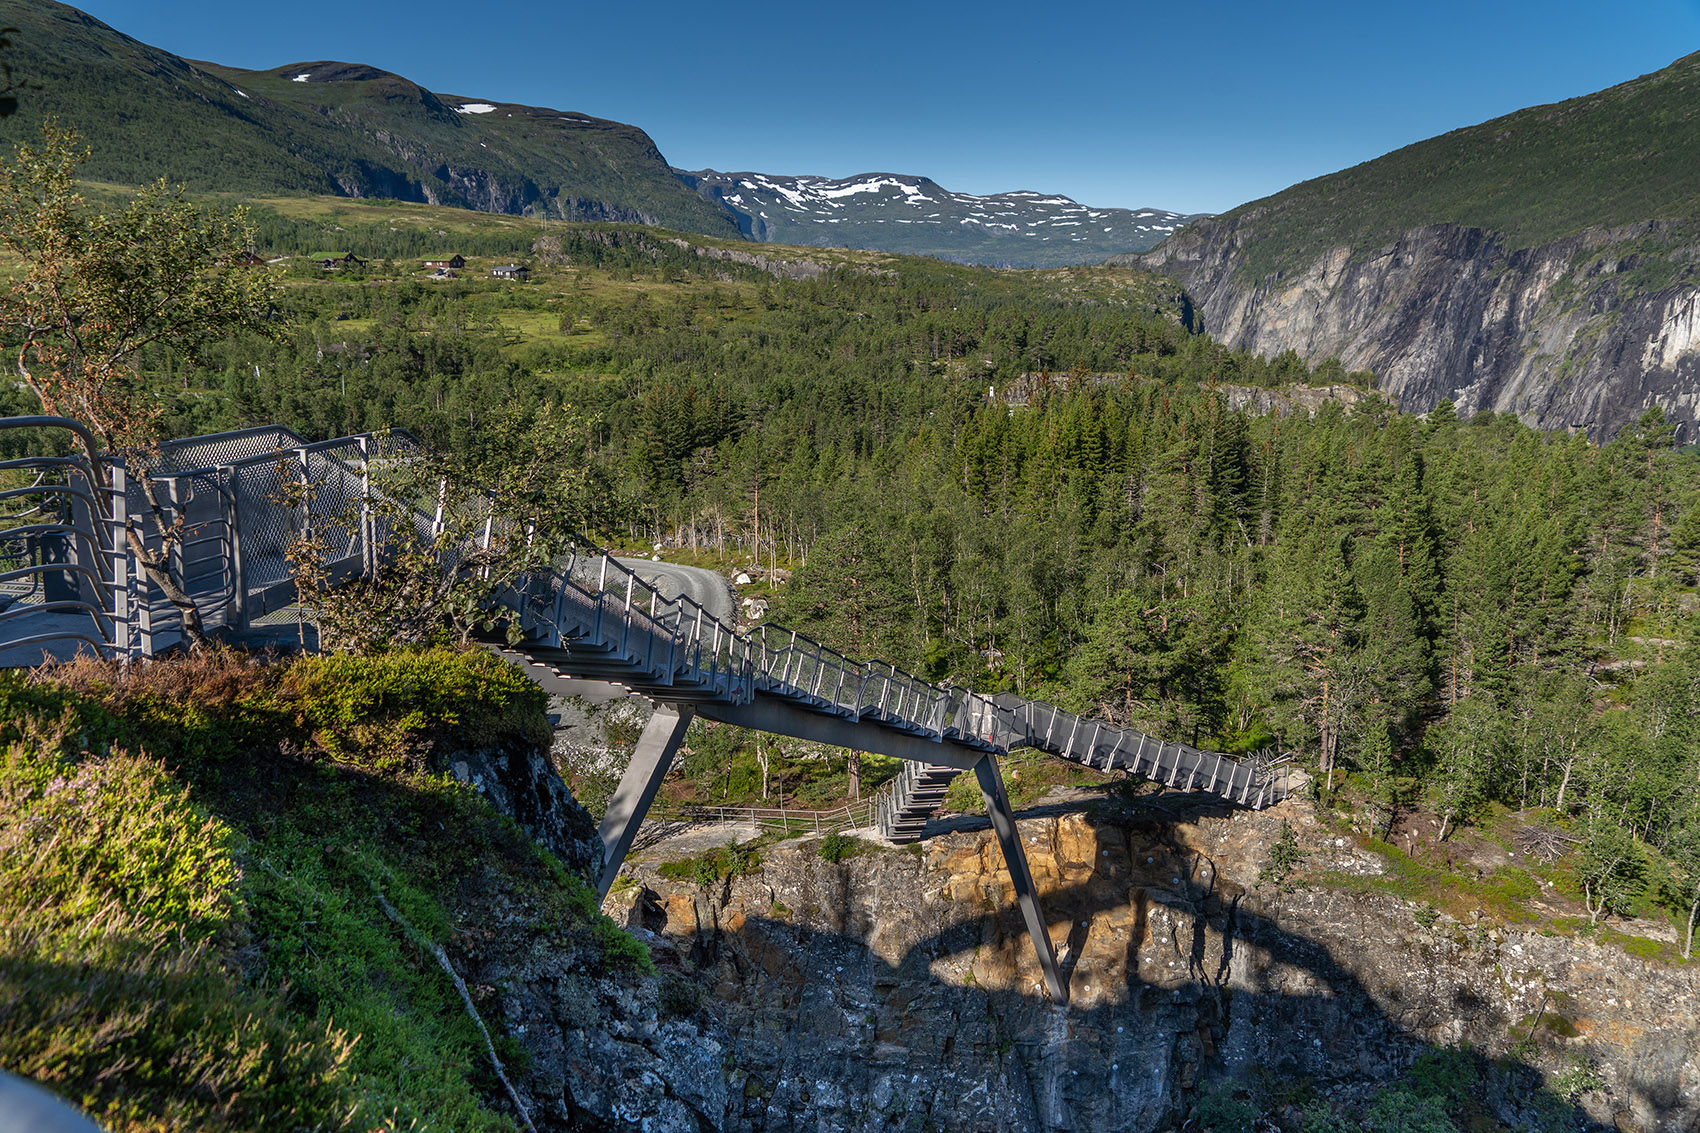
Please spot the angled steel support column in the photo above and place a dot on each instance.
(1003, 824)
(650, 760)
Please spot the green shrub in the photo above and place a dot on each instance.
(151, 909)
(1579, 1078)
(837, 847)
(1217, 1109)
(1319, 1118)
(1400, 1110)
(713, 866)
(1450, 1074)
(381, 710)
(1285, 855)
(115, 892)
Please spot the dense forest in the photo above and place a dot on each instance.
(1037, 481)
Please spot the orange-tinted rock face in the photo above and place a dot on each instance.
(893, 984)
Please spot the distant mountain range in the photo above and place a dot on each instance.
(898, 213)
(331, 128)
(352, 130)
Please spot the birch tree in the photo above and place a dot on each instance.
(96, 290)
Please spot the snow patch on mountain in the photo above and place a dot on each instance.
(963, 225)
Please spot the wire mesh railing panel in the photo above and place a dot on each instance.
(336, 501)
(266, 526)
(216, 449)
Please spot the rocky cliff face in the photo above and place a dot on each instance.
(1581, 333)
(898, 990)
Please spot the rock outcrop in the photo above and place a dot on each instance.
(898, 989)
(1584, 333)
(521, 782)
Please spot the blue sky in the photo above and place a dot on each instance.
(1192, 108)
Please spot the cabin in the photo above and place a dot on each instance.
(511, 271)
(246, 260)
(346, 260)
(453, 263)
(444, 273)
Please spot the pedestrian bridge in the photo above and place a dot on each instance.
(73, 531)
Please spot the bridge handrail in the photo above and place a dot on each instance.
(589, 600)
(87, 525)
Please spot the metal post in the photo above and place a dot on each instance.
(368, 523)
(651, 758)
(124, 635)
(237, 613)
(1115, 749)
(1015, 859)
(558, 613)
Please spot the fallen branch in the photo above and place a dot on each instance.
(427, 945)
(1546, 843)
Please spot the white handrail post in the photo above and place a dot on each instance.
(125, 638)
(369, 552)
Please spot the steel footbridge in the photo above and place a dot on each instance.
(71, 581)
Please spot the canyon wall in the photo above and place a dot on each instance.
(897, 989)
(1584, 333)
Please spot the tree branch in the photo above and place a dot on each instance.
(425, 944)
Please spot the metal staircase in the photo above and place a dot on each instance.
(916, 795)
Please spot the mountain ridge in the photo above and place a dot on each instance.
(360, 131)
(357, 130)
(1019, 228)
(1544, 263)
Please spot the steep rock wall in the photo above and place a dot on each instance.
(1582, 333)
(896, 988)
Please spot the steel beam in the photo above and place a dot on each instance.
(1015, 858)
(638, 786)
(767, 713)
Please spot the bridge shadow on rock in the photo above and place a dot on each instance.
(897, 987)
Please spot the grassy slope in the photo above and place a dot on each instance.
(322, 226)
(189, 857)
(147, 113)
(1616, 157)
